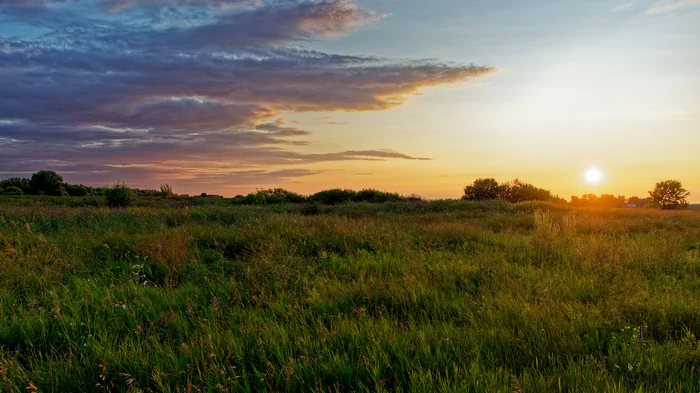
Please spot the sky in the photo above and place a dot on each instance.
(409, 96)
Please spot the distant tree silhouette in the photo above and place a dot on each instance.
(637, 201)
(47, 183)
(166, 190)
(369, 195)
(515, 192)
(482, 190)
(21, 183)
(519, 191)
(669, 194)
(270, 196)
(75, 189)
(605, 200)
(333, 197)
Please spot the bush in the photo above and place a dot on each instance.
(119, 195)
(21, 183)
(166, 190)
(12, 190)
(310, 210)
(271, 196)
(333, 197)
(374, 196)
(78, 190)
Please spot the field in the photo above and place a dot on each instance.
(417, 297)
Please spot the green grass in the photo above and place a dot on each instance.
(419, 297)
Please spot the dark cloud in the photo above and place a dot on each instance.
(126, 101)
(122, 5)
(29, 2)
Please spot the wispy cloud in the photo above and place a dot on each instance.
(665, 6)
(196, 95)
(623, 7)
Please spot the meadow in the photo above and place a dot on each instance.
(450, 296)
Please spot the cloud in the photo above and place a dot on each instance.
(29, 2)
(123, 5)
(273, 24)
(661, 7)
(130, 100)
(623, 7)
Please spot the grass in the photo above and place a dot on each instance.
(447, 296)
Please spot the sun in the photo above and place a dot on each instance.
(593, 175)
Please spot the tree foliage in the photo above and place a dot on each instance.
(21, 183)
(482, 190)
(11, 190)
(119, 195)
(518, 191)
(166, 190)
(515, 192)
(78, 190)
(605, 200)
(669, 194)
(47, 183)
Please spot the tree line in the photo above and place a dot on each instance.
(668, 194)
(51, 183)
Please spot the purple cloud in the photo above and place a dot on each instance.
(109, 96)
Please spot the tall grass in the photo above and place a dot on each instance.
(421, 297)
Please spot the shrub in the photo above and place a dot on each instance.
(333, 197)
(374, 196)
(21, 183)
(166, 190)
(12, 190)
(78, 190)
(119, 195)
(310, 210)
(270, 196)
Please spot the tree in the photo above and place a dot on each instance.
(166, 190)
(119, 195)
(637, 201)
(519, 191)
(669, 194)
(47, 183)
(78, 190)
(483, 189)
(21, 183)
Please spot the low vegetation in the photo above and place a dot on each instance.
(667, 195)
(461, 296)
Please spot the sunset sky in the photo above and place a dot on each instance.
(412, 96)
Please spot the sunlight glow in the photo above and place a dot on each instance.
(593, 175)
